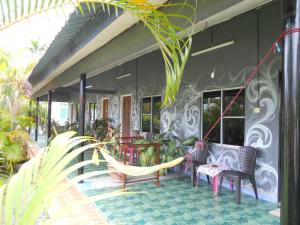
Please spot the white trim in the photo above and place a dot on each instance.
(224, 117)
(236, 147)
(234, 117)
(151, 114)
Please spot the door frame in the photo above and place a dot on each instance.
(121, 110)
(102, 100)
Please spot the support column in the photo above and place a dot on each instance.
(29, 114)
(37, 120)
(290, 123)
(49, 114)
(82, 101)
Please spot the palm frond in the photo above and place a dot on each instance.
(174, 48)
(29, 193)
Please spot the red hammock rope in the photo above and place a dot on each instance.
(249, 79)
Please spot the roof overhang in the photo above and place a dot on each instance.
(95, 57)
(115, 28)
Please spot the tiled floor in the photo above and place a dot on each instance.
(176, 202)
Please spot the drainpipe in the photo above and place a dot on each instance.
(49, 114)
(290, 205)
(82, 115)
(37, 120)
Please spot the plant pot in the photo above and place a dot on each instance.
(115, 175)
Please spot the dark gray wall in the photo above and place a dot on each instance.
(232, 64)
(128, 45)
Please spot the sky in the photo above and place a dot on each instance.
(17, 38)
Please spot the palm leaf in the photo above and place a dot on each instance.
(29, 193)
(175, 49)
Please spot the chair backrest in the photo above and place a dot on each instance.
(135, 133)
(247, 159)
(150, 136)
(202, 152)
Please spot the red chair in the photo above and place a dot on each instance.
(129, 140)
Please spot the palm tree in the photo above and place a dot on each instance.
(170, 37)
(15, 88)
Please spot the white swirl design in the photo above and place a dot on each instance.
(267, 177)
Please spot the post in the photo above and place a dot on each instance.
(290, 122)
(49, 114)
(29, 114)
(82, 115)
(37, 120)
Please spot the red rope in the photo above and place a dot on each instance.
(249, 79)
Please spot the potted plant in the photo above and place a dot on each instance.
(112, 144)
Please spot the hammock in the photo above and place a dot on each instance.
(135, 170)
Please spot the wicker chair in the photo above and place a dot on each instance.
(246, 170)
(198, 158)
(135, 133)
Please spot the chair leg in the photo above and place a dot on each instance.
(207, 177)
(180, 169)
(238, 190)
(193, 174)
(220, 185)
(253, 182)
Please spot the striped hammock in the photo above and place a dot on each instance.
(133, 170)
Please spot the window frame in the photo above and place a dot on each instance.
(151, 112)
(224, 117)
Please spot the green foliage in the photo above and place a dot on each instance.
(29, 193)
(13, 142)
(190, 141)
(147, 155)
(12, 148)
(98, 129)
(173, 40)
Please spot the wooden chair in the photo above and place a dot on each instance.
(246, 170)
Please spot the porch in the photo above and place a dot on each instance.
(127, 87)
(175, 202)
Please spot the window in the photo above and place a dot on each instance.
(151, 114)
(92, 112)
(230, 130)
(211, 112)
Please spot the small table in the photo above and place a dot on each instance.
(212, 170)
(129, 146)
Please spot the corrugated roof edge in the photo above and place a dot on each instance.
(81, 30)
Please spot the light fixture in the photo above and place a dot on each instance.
(212, 75)
(123, 76)
(90, 86)
(257, 108)
(222, 45)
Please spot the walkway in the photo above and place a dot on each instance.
(80, 211)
